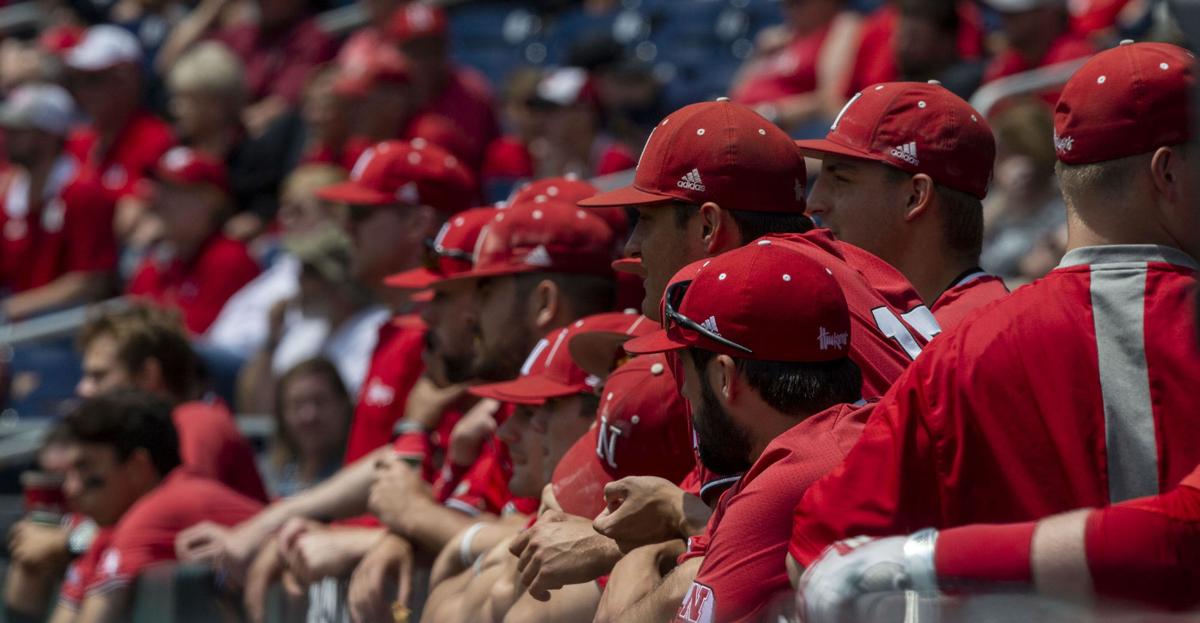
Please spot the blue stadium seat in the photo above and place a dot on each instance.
(496, 38)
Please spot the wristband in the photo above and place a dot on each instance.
(979, 555)
(918, 553)
(464, 546)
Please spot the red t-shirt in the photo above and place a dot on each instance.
(395, 367)
(130, 159)
(1068, 46)
(467, 100)
(200, 286)
(1075, 391)
(875, 61)
(969, 294)
(745, 544)
(82, 569)
(71, 231)
(211, 445)
(279, 63)
(790, 71)
(484, 487)
(145, 534)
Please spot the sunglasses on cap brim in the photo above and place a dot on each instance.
(435, 252)
(671, 315)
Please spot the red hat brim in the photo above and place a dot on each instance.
(354, 193)
(818, 148)
(534, 389)
(622, 197)
(415, 279)
(657, 342)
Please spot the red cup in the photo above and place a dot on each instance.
(44, 499)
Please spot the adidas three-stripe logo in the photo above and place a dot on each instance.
(711, 325)
(907, 153)
(692, 181)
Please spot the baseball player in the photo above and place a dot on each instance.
(903, 170)
(763, 338)
(1074, 391)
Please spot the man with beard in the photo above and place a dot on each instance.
(57, 247)
(761, 336)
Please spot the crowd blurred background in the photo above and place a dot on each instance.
(255, 104)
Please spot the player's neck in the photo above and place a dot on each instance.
(1094, 232)
(930, 278)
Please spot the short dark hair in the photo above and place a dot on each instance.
(751, 225)
(962, 216)
(943, 14)
(145, 332)
(126, 421)
(791, 387)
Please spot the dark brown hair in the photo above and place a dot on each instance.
(146, 332)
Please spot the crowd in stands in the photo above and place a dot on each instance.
(699, 310)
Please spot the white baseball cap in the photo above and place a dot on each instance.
(46, 107)
(104, 46)
(1019, 6)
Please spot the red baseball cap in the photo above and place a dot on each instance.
(598, 350)
(551, 236)
(408, 173)
(449, 253)
(762, 301)
(568, 188)
(916, 127)
(441, 131)
(384, 65)
(1126, 101)
(417, 19)
(641, 429)
(555, 374)
(186, 166)
(715, 151)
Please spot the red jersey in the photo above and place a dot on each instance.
(395, 367)
(790, 71)
(200, 286)
(1075, 391)
(279, 62)
(968, 294)
(82, 569)
(745, 544)
(428, 449)
(132, 157)
(211, 445)
(889, 323)
(145, 534)
(875, 61)
(70, 229)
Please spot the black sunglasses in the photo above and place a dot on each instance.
(435, 252)
(674, 296)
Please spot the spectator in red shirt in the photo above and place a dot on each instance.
(919, 40)
(1038, 34)
(458, 93)
(124, 141)
(280, 52)
(800, 69)
(197, 268)
(575, 143)
(56, 242)
(125, 473)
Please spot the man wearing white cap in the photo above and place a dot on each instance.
(124, 141)
(1038, 35)
(56, 243)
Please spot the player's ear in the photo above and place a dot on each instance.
(920, 196)
(1166, 168)
(546, 303)
(726, 378)
(718, 231)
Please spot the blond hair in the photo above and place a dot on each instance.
(209, 67)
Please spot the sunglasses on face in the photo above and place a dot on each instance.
(434, 253)
(672, 317)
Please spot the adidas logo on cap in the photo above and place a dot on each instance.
(692, 181)
(907, 153)
(538, 257)
(711, 325)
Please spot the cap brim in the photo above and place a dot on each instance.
(421, 296)
(498, 271)
(629, 265)
(534, 389)
(596, 351)
(580, 477)
(819, 148)
(353, 193)
(623, 197)
(415, 279)
(657, 342)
